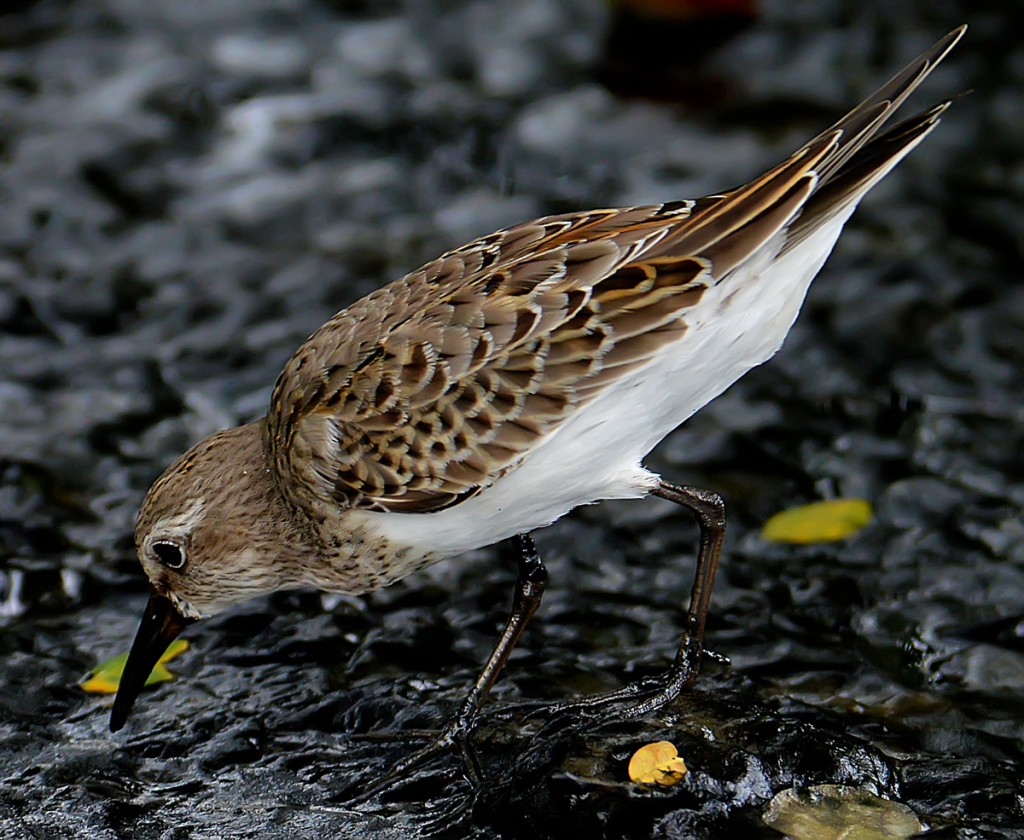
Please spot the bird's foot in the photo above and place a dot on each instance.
(650, 693)
(627, 703)
(455, 735)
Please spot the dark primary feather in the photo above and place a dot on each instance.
(847, 184)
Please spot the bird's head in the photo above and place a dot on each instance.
(200, 538)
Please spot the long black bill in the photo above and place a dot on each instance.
(161, 623)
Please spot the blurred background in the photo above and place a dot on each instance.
(187, 190)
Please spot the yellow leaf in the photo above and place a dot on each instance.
(657, 763)
(106, 677)
(818, 522)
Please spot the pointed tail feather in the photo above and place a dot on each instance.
(860, 173)
(839, 165)
(744, 206)
(864, 121)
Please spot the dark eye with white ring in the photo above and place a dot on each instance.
(170, 554)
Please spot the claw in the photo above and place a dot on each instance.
(454, 735)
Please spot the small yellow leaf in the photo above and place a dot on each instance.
(106, 677)
(99, 684)
(818, 522)
(657, 763)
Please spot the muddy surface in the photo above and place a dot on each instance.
(187, 190)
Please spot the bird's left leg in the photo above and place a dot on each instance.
(530, 585)
(638, 698)
(709, 509)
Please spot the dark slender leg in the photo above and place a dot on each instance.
(529, 589)
(634, 700)
(639, 698)
(709, 509)
(533, 577)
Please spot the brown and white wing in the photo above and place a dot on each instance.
(426, 391)
(429, 389)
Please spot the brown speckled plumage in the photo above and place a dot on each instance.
(430, 388)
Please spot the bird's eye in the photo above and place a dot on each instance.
(170, 554)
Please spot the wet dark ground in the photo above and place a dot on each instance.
(187, 190)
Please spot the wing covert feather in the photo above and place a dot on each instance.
(425, 391)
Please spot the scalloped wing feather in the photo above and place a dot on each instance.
(431, 388)
(491, 351)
